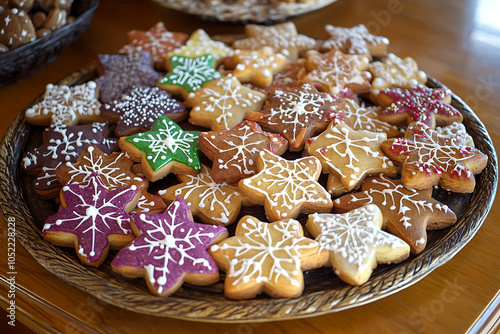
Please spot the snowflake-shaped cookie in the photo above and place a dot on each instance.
(349, 155)
(298, 115)
(158, 41)
(92, 220)
(407, 212)
(282, 38)
(137, 110)
(393, 72)
(170, 249)
(122, 72)
(221, 104)
(334, 71)
(429, 158)
(418, 104)
(65, 105)
(356, 243)
(164, 148)
(267, 257)
(286, 188)
(211, 202)
(63, 144)
(234, 152)
(356, 40)
(189, 74)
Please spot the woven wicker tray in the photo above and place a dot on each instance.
(323, 293)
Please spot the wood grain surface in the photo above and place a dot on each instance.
(456, 42)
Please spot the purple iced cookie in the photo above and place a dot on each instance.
(170, 249)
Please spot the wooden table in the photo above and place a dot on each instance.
(456, 42)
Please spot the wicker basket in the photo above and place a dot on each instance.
(23, 61)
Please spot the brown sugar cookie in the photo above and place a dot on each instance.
(349, 155)
(16, 28)
(430, 159)
(222, 103)
(234, 152)
(356, 243)
(286, 188)
(298, 114)
(408, 213)
(393, 72)
(267, 258)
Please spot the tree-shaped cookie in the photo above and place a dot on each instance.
(164, 148)
(418, 104)
(267, 258)
(286, 188)
(122, 72)
(137, 110)
(65, 105)
(221, 104)
(92, 220)
(429, 158)
(63, 144)
(158, 41)
(392, 72)
(189, 74)
(234, 152)
(356, 243)
(170, 249)
(211, 202)
(298, 114)
(408, 213)
(349, 155)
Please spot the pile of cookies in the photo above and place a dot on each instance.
(253, 123)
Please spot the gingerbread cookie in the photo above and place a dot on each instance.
(298, 115)
(16, 28)
(92, 220)
(234, 152)
(66, 105)
(456, 129)
(393, 72)
(164, 148)
(356, 243)
(267, 258)
(221, 104)
(429, 158)
(189, 74)
(418, 104)
(407, 212)
(137, 110)
(158, 41)
(212, 203)
(63, 144)
(170, 249)
(286, 188)
(150, 203)
(122, 72)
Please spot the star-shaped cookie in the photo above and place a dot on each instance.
(349, 155)
(189, 74)
(267, 258)
(393, 72)
(407, 212)
(92, 220)
(429, 158)
(63, 144)
(170, 249)
(356, 243)
(164, 148)
(282, 38)
(234, 152)
(298, 114)
(122, 72)
(286, 188)
(211, 202)
(158, 41)
(418, 104)
(221, 104)
(65, 105)
(136, 110)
